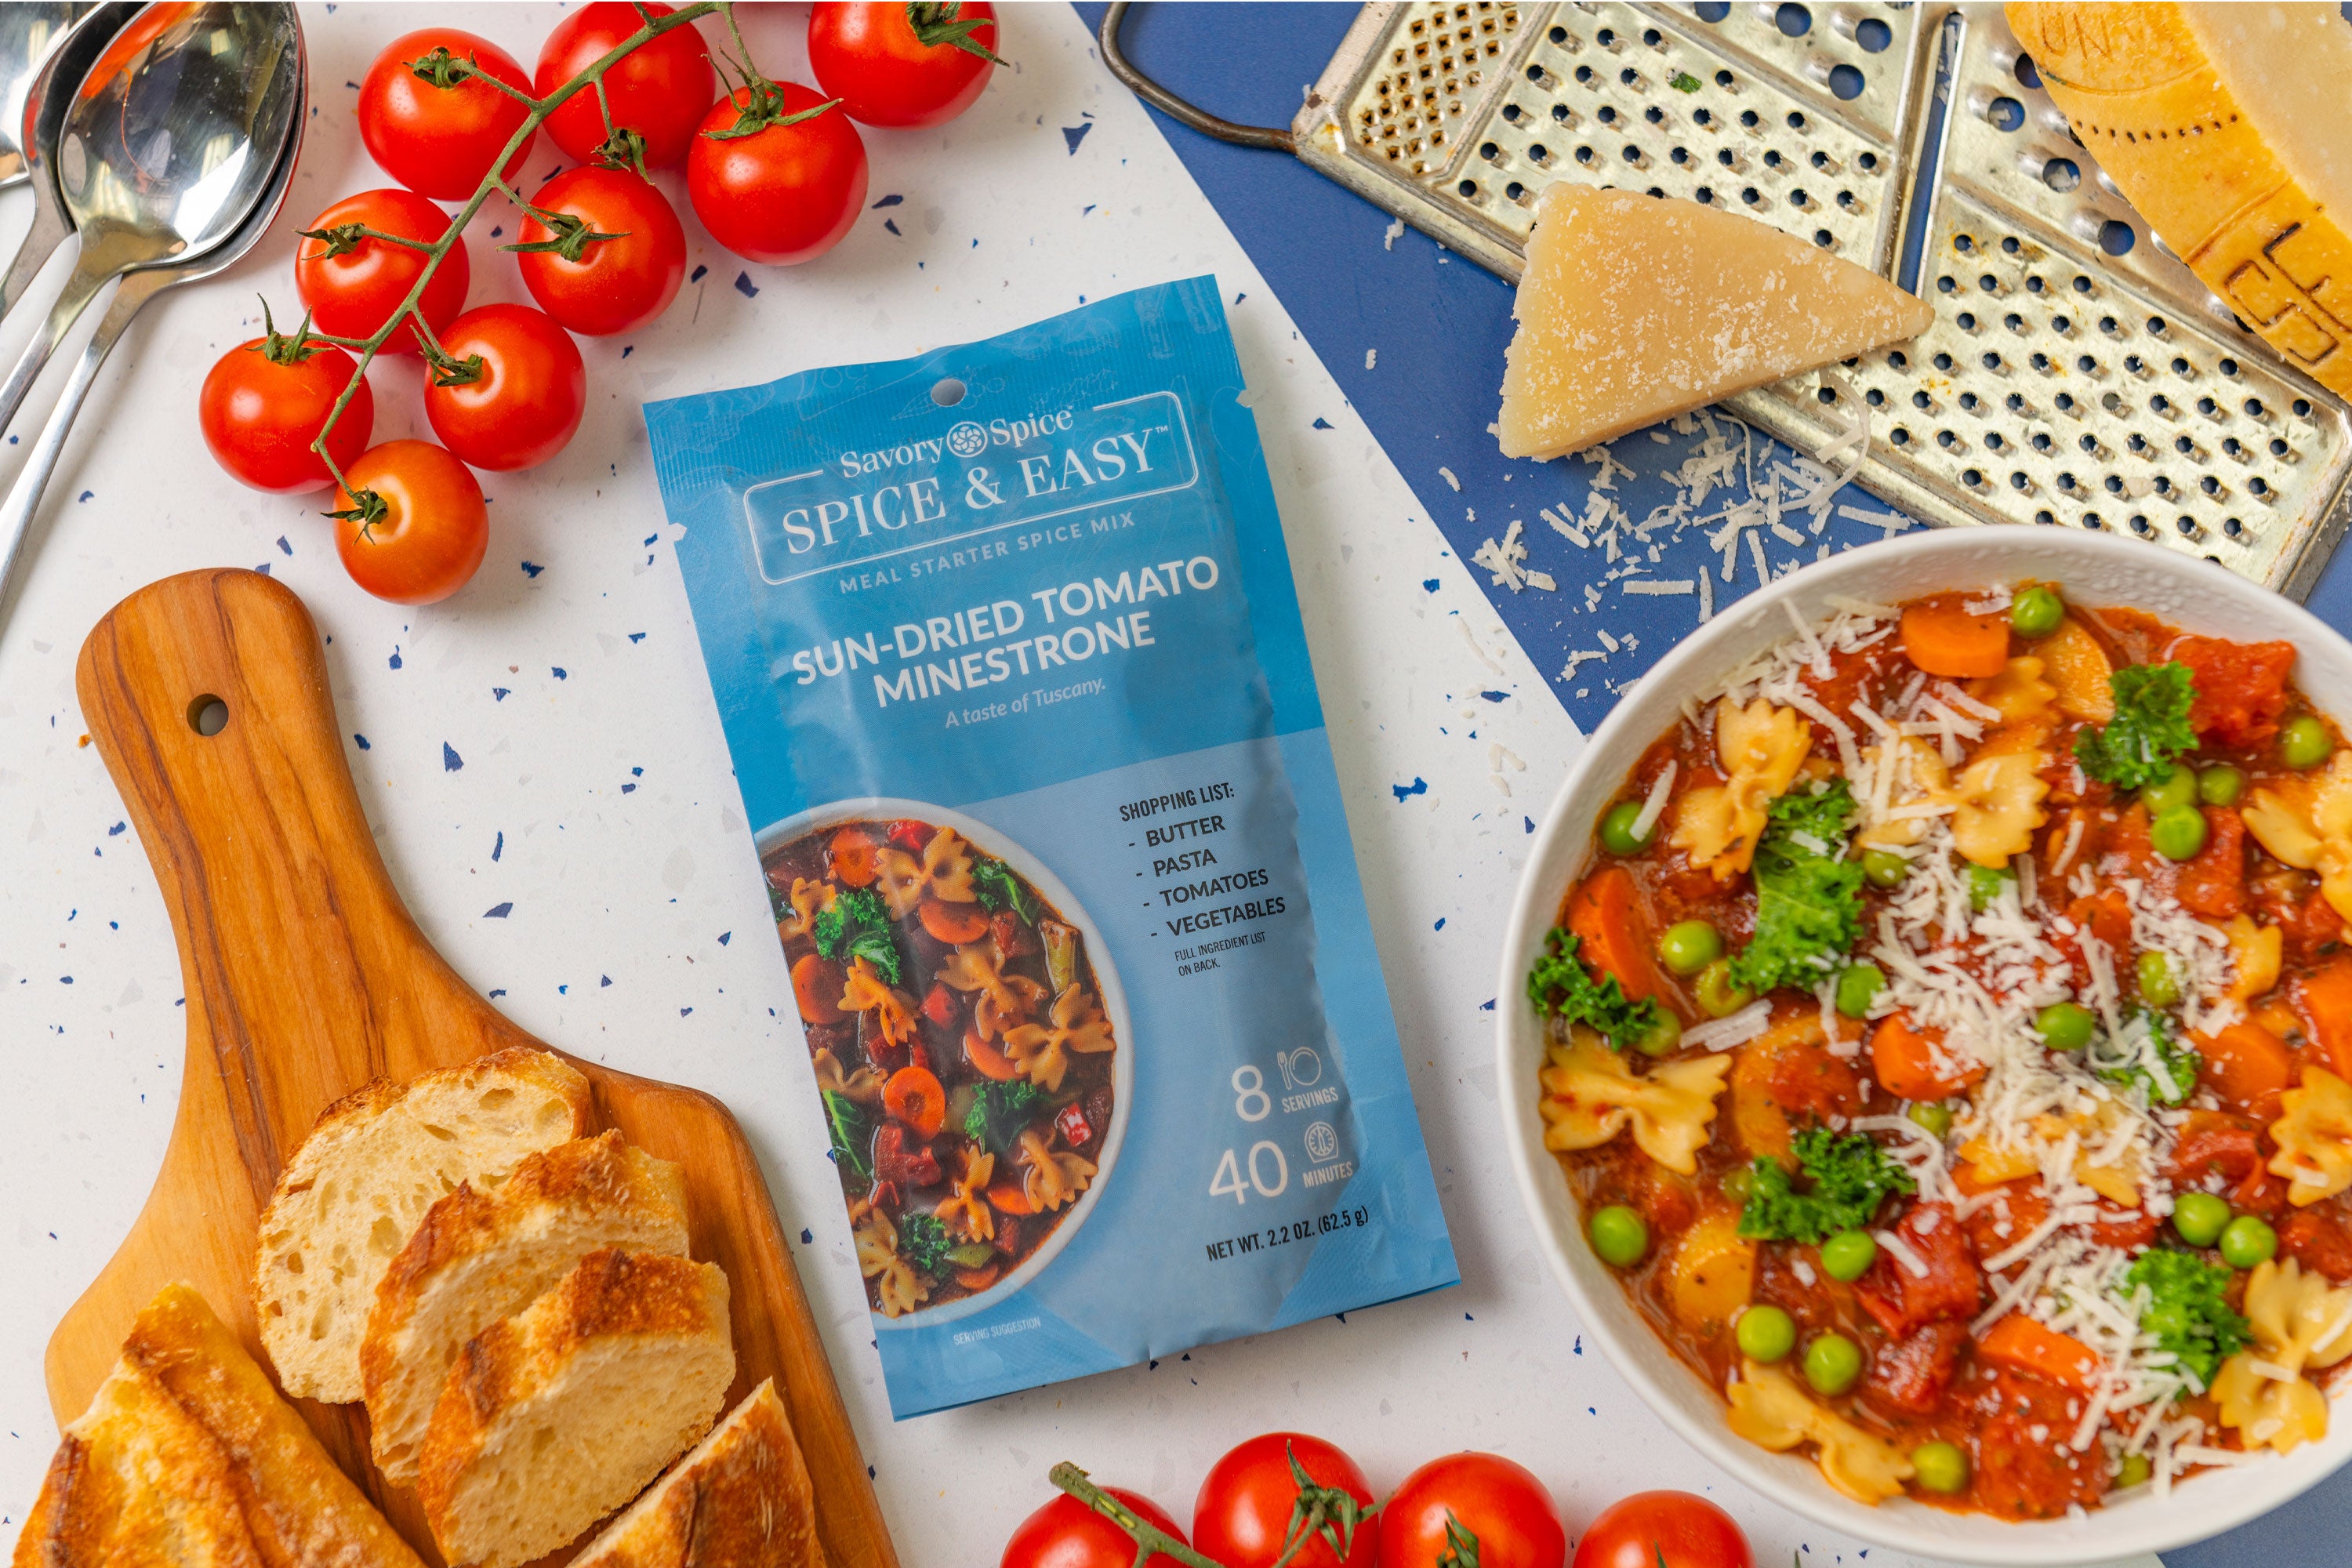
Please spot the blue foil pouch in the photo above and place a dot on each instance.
(1011, 666)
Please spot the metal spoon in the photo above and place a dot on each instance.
(137, 288)
(164, 149)
(27, 33)
(32, 120)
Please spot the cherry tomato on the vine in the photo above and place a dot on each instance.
(352, 290)
(785, 190)
(1663, 1530)
(432, 530)
(265, 401)
(617, 285)
(440, 141)
(901, 65)
(1066, 1533)
(529, 397)
(1244, 1514)
(1483, 1495)
(660, 90)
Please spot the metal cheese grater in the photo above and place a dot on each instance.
(2077, 374)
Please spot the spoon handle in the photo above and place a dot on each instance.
(25, 496)
(49, 231)
(80, 288)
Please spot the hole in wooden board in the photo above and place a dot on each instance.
(209, 715)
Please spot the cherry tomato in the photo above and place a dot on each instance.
(902, 65)
(1485, 1495)
(617, 285)
(1066, 1533)
(433, 529)
(1243, 1516)
(660, 90)
(441, 141)
(528, 400)
(782, 194)
(351, 294)
(1663, 1530)
(265, 401)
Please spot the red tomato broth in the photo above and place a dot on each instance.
(1925, 1376)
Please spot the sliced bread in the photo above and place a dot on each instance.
(742, 1500)
(187, 1457)
(359, 1184)
(554, 1418)
(476, 1258)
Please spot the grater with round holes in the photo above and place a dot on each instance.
(2077, 374)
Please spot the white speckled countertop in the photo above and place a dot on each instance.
(543, 764)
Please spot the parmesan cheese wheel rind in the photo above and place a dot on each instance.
(1633, 309)
(2226, 126)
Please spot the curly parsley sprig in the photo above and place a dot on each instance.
(1557, 984)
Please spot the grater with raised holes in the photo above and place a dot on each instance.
(2076, 376)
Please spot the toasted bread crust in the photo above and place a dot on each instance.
(742, 1500)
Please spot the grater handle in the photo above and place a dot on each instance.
(1168, 103)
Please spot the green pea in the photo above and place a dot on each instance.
(1858, 987)
(1689, 946)
(1935, 1116)
(1620, 1236)
(2178, 834)
(2303, 743)
(2036, 612)
(1986, 884)
(1617, 835)
(2247, 1241)
(2158, 985)
(2221, 784)
(2135, 1472)
(1849, 1254)
(1716, 994)
(2177, 788)
(1661, 1037)
(2065, 1027)
(1833, 1362)
(2200, 1217)
(1942, 1466)
(1766, 1334)
(1738, 1181)
(1884, 868)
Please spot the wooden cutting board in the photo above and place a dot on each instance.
(306, 978)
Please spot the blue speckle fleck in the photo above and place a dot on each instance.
(628, 349)
(1430, 583)
(283, 545)
(1440, 925)
(500, 693)
(806, 1239)
(892, 225)
(604, 980)
(559, 671)
(85, 495)
(118, 827)
(1321, 423)
(500, 992)
(892, 200)
(1488, 1005)
(682, 1012)
(745, 287)
(698, 275)
(629, 789)
(361, 739)
(637, 636)
(532, 568)
(394, 661)
(1495, 696)
(1406, 792)
(1074, 134)
(65, 979)
(1530, 823)
(499, 911)
(501, 846)
(725, 937)
(450, 761)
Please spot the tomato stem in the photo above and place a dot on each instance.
(936, 22)
(1330, 1514)
(1149, 1539)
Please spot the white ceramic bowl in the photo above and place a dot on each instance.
(2094, 569)
(991, 842)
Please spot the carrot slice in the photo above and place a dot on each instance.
(1905, 1057)
(1605, 914)
(1009, 1195)
(976, 1280)
(853, 856)
(2325, 999)
(914, 1096)
(2019, 1344)
(1942, 638)
(986, 1060)
(954, 924)
(816, 982)
(2247, 1067)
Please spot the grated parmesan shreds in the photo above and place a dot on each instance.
(1736, 1029)
(1655, 805)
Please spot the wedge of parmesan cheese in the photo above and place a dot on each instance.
(1633, 309)
(2227, 128)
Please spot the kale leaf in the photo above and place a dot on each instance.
(2126, 1061)
(859, 926)
(999, 1114)
(848, 1122)
(993, 883)
(2187, 1310)
(1848, 1176)
(1808, 894)
(1558, 984)
(2150, 727)
(923, 1241)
